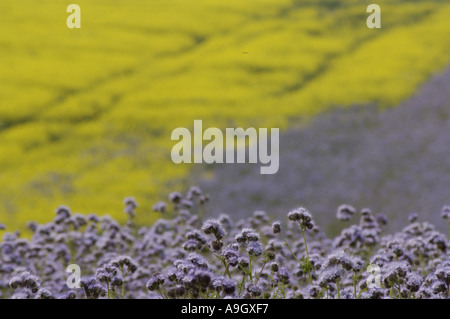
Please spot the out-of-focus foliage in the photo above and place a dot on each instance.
(397, 160)
(86, 115)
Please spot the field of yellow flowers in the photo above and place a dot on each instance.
(86, 114)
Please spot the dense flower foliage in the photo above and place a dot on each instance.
(185, 256)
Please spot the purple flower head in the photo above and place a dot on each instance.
(445, 213)
(214, 226)
(345, 212)
(302, 216)
(160, 207)
(155, 282)
(276, 227)
(254, 248)
(175, 197)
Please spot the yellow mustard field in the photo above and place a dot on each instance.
(86, 114)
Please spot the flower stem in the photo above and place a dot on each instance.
(287, 245)
(308, 264)
(338, 289)
(107, 289)
(259, 275)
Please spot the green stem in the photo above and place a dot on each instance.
(227, 270)
(225, 264)
(245, 270)
(273, 285)
(307, 255)
(241, 285)
(262, 268)
(287, 245)
(338, 290)
(123, 284)
(107, 289)
(165, 291)
(304, 239)
(250, 267)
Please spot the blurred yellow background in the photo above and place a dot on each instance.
(86, 114)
